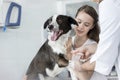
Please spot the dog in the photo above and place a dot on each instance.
(50, 59)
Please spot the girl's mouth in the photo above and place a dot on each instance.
(79, 31)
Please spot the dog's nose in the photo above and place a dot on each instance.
(50, 27)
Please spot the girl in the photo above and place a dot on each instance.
(87, 33)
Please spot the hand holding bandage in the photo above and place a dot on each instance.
(87, 50)
(76, 64)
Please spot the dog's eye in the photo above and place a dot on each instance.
(59, 21)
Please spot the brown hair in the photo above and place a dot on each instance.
(94, 32)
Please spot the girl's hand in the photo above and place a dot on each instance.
(82, 50)
(87, 50)
(68, 47)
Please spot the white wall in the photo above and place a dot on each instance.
(19, 46)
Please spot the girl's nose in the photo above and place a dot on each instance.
(81, 26)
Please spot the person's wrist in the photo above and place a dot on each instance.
(97, 1)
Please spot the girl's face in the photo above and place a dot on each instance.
(85, 24)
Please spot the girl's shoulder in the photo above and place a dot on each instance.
(90, 41)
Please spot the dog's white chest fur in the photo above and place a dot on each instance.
(58, 47)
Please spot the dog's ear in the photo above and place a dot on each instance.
(72, 21)
(47, 22)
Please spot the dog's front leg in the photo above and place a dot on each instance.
(72, 74)
(55, 71)
(71, 70)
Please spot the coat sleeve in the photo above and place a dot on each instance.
(107, 50)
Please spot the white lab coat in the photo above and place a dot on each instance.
(108, 51)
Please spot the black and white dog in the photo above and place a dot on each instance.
(50, 59)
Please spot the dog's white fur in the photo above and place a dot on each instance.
(58, 47)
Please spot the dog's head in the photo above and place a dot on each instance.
(58, 25)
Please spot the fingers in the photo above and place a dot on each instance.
(87, 55)
(75, 51)
(84, 51)
(68, 56)
(68, 44)
(76, 57)
(69, 38)
(82, 56)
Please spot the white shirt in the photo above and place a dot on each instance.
(87, 42)
(108, 51)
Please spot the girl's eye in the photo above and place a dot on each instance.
(87, 25)
(78, 22)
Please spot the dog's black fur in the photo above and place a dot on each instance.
(47, 57)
